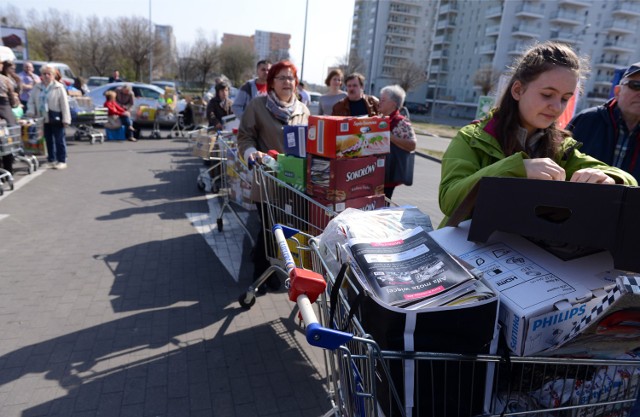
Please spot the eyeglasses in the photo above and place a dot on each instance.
(632, 84)
(46, 73)
(285, 78)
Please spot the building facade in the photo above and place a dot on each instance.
(274, 46)
(165, 63)
(468, 40)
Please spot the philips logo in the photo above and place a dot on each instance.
(559, 318)
(514, 332)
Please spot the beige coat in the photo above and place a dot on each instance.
(260, 130)
(57, 100)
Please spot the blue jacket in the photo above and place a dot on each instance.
(597, 129)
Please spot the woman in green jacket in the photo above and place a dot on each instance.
(520, 137)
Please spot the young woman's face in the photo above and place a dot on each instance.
(336, 81)
(543, 100)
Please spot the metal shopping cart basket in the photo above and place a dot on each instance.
(11, 144)
(85, 117)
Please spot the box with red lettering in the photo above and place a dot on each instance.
(321, 218)
(348, 137)
(335, 180)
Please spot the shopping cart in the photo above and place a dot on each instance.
(168, 115)
(33, 141)
(199, 115)
(85, 117)
(11, 144)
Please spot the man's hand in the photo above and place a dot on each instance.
(544, 169)
(591, 175)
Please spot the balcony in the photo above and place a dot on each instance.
(446, 24)
(619, 46)
(526, 31)
(489, 48)
(448, 8)
(517, 48)
(493, 30)
(439, 69)
(567, 18)
(626, 8)
(603, 80)
(440, 54)
(529, 11)
(611, 63)
(442, 39)
(493, 12)
(404, 11)
(620, 26)
(574, 3)
(565, 36)
(403, 21)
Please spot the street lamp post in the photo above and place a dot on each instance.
(304, 40)
(150, 45)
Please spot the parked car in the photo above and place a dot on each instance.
(314, 106)
(94, 82)
(68, 76)
(143, 92)
(416, 108)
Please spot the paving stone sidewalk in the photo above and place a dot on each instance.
(112, 304)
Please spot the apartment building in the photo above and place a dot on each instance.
(468, 37)
(265, 44)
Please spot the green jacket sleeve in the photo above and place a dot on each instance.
(574, 160)
(466, 161)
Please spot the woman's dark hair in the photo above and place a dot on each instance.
(221, 86)
(536, 60)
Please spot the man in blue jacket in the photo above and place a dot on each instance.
(611, 132)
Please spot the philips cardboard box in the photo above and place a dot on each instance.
(337, 180)
(295, 140)
(348, 137)
(543, 298)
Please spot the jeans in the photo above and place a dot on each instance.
(126, 122)
(56, 142)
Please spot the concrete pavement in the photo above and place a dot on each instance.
(112, 303)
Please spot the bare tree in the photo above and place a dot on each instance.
(49, 35)
(92, 52)
(486, 78)
(205, 56)
(136, 43)
(409, 75)
(236, 62)
(186, 64)
(351, 63)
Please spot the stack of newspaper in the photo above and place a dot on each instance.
(399, 262)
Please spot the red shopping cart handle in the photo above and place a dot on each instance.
(304, 281)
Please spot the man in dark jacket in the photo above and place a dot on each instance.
(356, 103)
(611, 132)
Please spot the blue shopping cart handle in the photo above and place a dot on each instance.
(320, 336)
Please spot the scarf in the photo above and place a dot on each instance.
(395, 117)
(281, 110)
(44, 98)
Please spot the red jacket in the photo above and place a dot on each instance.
(114, 108)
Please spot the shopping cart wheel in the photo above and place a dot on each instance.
(76, 136)
(36, 163)
(219, 221)
(201, 185)
(30, 169)
(247, 300)
(11, 186)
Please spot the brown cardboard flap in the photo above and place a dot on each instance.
(589, 215)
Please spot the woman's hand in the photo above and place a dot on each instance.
(255, 158)
(543, 169)
(591, 175)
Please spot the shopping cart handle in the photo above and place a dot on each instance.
(326, 338)
(316, 334)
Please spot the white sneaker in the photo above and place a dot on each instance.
(50, 165)
(60, 165)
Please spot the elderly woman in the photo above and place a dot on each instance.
(261, 130)
(49, 100)
(116, 110)
(399, 162)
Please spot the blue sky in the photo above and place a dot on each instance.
(328, 22)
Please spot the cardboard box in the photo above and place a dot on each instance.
(542, 297)
(348, 137)
(203, 146)
(320, 216)
(145, 113)
(336, 179)
(295, 140)
(293, 171)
